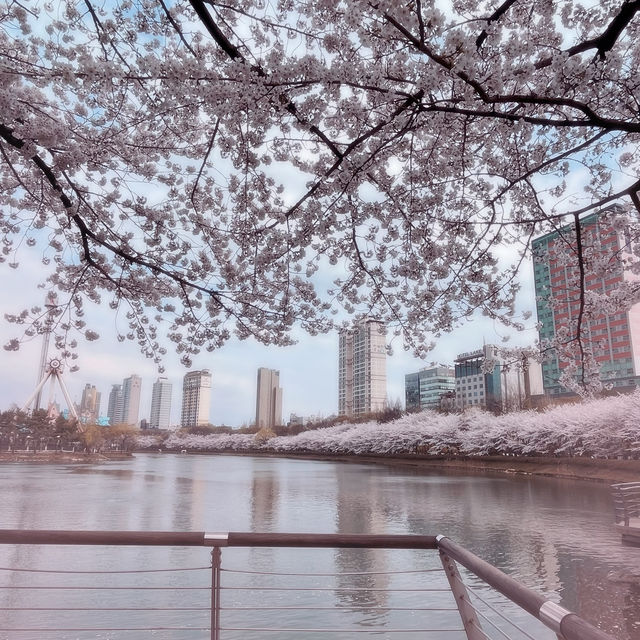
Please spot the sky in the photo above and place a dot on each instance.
(308, 370)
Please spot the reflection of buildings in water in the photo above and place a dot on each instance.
(198, 495)
(368, 592)
(541, 562)
(355, 515)
(187, 493)
(264, 502)
(265, 490)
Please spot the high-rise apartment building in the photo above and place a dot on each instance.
(114, 408)
(124, 401)
(268, 399)
(90, 404)
(613, 338)
(196, 398)
(362, 369)
(131, 389)
(424, 389)
(160, 404)
(477, 383)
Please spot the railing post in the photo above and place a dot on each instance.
(216, 556)
(466, 609)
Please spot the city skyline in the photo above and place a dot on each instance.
(308, 370)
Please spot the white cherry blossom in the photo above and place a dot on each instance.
(245, 168)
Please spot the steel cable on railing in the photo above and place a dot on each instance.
(476, 595)
(32, 629)
(507, 620)
(105, 609)
(335, 588)
(336, 609)
(91, 588)
(348, 630)
(363, 607)
(332, 575)
(102, 609)
(65, 571)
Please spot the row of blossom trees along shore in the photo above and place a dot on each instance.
(604, 428)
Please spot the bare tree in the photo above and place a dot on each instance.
(243, 167)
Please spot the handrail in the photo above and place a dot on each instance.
(626, 500)
(204, 539)
(565, 623)
(329, 540)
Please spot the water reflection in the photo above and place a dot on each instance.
(265, 492)
(554, 535)
(353, 515)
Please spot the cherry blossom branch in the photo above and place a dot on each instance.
(177, 28)
(607, 39)
(87, 234)
(495, 16)
(594, 120)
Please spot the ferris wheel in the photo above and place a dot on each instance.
(53, 372)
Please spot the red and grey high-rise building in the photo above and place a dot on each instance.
(583, 293)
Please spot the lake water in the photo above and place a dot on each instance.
(555, 536)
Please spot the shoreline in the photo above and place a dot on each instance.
(590, 469)
(61, 457)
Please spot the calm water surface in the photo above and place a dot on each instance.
(555, 536)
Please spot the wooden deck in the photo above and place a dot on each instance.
(626, 501)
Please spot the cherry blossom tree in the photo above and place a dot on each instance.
(600, 428)
(210, 169)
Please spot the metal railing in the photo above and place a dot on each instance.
(626, 502)
(430, 600)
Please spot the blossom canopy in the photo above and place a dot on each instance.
(241, 168)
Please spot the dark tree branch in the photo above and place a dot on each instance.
(582, 288)
(234, 53)
(593, 119)
(86, 233)
(605, 41)
(214, 31)
(496, 15)
(204, 160)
